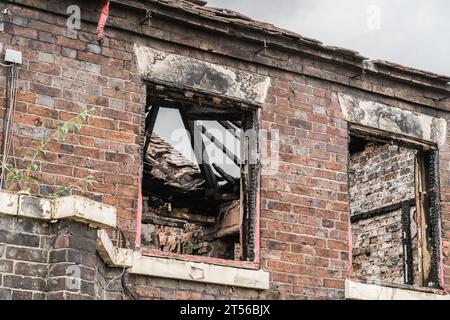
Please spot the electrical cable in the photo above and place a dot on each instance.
(9, 117)
(124, 273)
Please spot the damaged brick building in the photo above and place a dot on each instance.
(337, 188)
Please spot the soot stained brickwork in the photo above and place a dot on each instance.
(40, 261)
(304, 208)
(380, 176)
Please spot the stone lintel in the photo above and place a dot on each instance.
(392, 119)
(192, 73)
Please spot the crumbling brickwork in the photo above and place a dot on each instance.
(380, 176)
(304, 208)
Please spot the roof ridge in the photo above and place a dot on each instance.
(232, 17)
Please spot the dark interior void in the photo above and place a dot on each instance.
(394, 210)
(192, 179)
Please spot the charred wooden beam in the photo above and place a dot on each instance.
(381, 211)
(219, 145)
(408, 260)
(163, 221)
(228, 178)
(200, 153)
(150, 126)
(213, 116)
(434, 216)
(231, 128)
(155, 164)
(182, 214)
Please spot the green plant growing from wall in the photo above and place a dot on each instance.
(188, 247)
(22, 179)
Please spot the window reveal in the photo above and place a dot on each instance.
(394, 209)
(197, 205)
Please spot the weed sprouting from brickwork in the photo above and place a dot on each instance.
(22, 179)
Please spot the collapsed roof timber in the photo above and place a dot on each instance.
(338, 211)
(195, 208)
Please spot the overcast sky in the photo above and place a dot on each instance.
(410, 32)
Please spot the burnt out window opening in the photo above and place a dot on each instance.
(394, 210)
(199, 175)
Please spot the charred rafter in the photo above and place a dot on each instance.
(150, 126)
(231, 128)
(200, 154)
(219, 145)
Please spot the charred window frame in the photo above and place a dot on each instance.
(426, 201)
(193, 106)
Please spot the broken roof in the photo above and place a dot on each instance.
(171, 166)
(232, 18)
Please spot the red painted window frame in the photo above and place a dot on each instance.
(253, 265)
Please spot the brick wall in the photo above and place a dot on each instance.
(46, 261)
(304, 207)
(64, 72)
(380, 176)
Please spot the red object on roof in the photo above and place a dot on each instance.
(102, 20)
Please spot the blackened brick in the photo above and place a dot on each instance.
(19, 239)
(5, 294)
(26, 283)
(31, 269)
(26, 254)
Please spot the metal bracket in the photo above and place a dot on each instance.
(148, 16)
(265, 47)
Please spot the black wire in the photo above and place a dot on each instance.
(125, 287)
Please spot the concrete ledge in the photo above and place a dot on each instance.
(361, 291)
(180, 270)
(84, 210)
(96, 214)
(111, 255)
(9, 203)
(35, 207)
(200, 272)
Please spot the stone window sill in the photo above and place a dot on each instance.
(76, 208)
(169, 267)
(362, 291)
